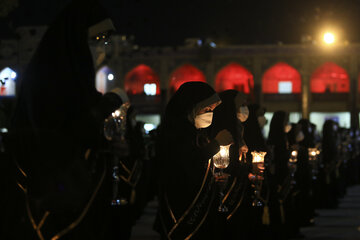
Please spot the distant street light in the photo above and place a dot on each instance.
(329, 38)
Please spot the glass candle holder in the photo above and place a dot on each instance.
(313, 161)
(258, 160)
(292, 165)
(221, 161)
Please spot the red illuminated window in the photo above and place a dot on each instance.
(329, 77)
(183, 74)
(234, 76)
(281, 78)
(142, 80)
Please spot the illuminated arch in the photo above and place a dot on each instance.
(183, 74)
(103, 75)
(142, 79)
(329, 77)
(234, 76)
(281, 78)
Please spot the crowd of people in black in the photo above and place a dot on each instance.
(79, 166)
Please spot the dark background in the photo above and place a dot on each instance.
(161, 23)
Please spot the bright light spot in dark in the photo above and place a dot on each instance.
(285, 87)
(329, 38)
(148, 127)
(213, 45)
(13, 75)
(110, 77)
(150, 89)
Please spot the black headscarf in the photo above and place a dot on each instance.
(329, 140)
(59, 113)
(277, 135)
(182, 156)
(225, 115)
(306, 128)
(278, 139)
(253, 135)
(181, 109)
(58, 88)
(293, 133)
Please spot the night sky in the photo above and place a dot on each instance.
(166, 23)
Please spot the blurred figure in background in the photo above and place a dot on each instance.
(231, 115)
(330, 154)
(305, 179)
(255, 141)
(280, 178)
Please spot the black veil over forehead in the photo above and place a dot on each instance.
(225, 113)
(58, 85)
(252, 131)
(187, 97)
(277, 132)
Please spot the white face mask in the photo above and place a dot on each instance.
(300, 136)
(287, 128)
(203, 120)
(262, 121)
(243, 113)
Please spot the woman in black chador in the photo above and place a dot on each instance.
(330, 154)
(186, 184)
(279, 177)
(255, 141)
(305, 180)
(58, 118)
(230, 115)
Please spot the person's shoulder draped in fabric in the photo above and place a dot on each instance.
(253, 135)
(306, 128)
(230, 113)
(58, 88)
(59, 114)
(278, 125)
(184, 164)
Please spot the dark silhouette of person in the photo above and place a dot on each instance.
(58, 120)
(255, 141)
(231, 115)
(279, 177)
(186, 183)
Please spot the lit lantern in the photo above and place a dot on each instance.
(292, 165)
(222, 159)
(293, 157)
(115, 124)
(258, 169)
(313, 153)
(258, 162)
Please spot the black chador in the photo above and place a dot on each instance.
(229, 116)
(59, 116)
(186, 189)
